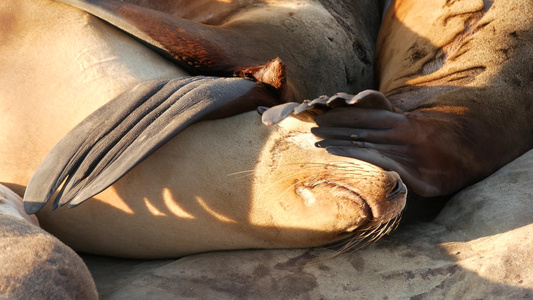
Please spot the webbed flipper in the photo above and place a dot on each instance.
(120, 134)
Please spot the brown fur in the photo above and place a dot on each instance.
(472, 82)
(459, 74)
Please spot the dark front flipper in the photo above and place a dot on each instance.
(431, 150)
(308, 109)
(193, 46)
(198, 48)
(428, 148)
(116, 137)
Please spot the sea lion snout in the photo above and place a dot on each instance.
(392, 203)
(399, 190)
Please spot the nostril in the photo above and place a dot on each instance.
(398, 190)
(261, 109)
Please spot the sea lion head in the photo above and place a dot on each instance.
(306, 188)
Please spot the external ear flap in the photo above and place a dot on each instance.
(119, 135)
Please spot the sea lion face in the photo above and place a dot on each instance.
(319, 192)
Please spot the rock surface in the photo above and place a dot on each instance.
(33, 263)
(478, 247)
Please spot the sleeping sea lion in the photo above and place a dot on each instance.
(459, 77)
(36, 265)
(230, 183)
(264, 187)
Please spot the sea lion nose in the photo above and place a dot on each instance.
(398, 191)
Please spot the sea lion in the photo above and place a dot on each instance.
(238, 44)
(235, 184)
(36, 265)
(261, 190)
(459, 76)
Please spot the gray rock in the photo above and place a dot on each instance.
(479, 247)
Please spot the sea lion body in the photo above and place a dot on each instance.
(36, 265)
(263, 193)
(458, 76)
(244, 45)
(224, 184)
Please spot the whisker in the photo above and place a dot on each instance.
(361, 239)
(241, 172)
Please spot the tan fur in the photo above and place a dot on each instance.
(51, 75)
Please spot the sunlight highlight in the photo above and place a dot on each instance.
(173, 206)
(213, 213)
(118, 203)
(152, 209)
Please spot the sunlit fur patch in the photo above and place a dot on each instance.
(336, 179)
(303, 140)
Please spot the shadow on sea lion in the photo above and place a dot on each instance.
(224, 184)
